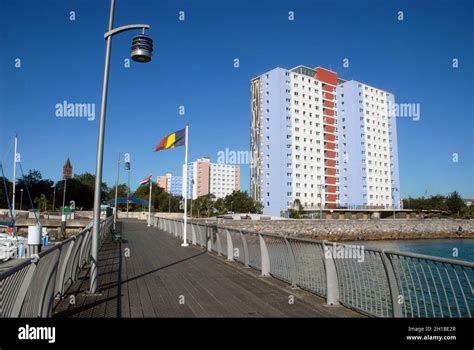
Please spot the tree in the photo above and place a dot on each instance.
(455, 203)
(221, 206)
(241, 202)
(41, 203)
(82, 195)
(297, 204)
(161, 201)
(295, 212)
(122, 192)
(34, 183)
(80, 189)
(204, 204)
(88, 180)
(437, 202)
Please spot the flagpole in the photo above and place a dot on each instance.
(14, 177)
(149, 205)
(185, 188)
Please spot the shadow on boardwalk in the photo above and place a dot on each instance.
(150, 275)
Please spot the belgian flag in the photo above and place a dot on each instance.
(175, 139)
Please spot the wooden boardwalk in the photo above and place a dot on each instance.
(151, 275)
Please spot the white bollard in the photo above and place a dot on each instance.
(34, 239)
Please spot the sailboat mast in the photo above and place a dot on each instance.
(14, 176)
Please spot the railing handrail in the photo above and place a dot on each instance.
(60, 269)
(309, 240)
(33, 259)
(430, 257)
(389, 283)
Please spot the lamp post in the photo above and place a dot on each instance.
(192, 191)
(54, 196)
(21, 197)
(127, 168)
(64, 194)
(116, 190)
(394, 189)
(320, 186)
(142, 48)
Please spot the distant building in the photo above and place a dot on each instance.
(67, 170)
(205, 177)
(171, 184)
(224, 179)
(162, 181)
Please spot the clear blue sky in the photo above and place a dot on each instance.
(193, 66)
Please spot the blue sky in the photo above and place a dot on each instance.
(193, 66)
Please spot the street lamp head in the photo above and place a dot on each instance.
(142, 48)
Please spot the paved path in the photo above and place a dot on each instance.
(156, 277)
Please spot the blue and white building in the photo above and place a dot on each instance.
(171, 183)
(368, 150)
(322, 141)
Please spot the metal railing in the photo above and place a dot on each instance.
(28, 289)
(379, 283)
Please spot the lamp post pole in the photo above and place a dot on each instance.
(393, 196)
(15, 160)
(141, 56)
(116, 190)
(54, 196)
(320, 201)
(21, 198)
(128, 189)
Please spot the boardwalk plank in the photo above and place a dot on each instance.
(158, 271)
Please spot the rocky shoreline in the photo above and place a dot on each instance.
(366, 230)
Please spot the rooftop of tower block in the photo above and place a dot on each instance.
(312, 72)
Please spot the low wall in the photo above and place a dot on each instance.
(143, 215)
(176, 216)
(350, 230)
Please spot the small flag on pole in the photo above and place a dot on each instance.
(175, 139)
(145, 180)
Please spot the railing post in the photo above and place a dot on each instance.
(20, 298)
(265, 257)
(209, 238)
(332, 283)
(292, 263)
(230, 246)
(218, 239)
(199, 230)
(246, 249)
(45, 307)
(193, 234)
(392, 283)
(63, 269)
